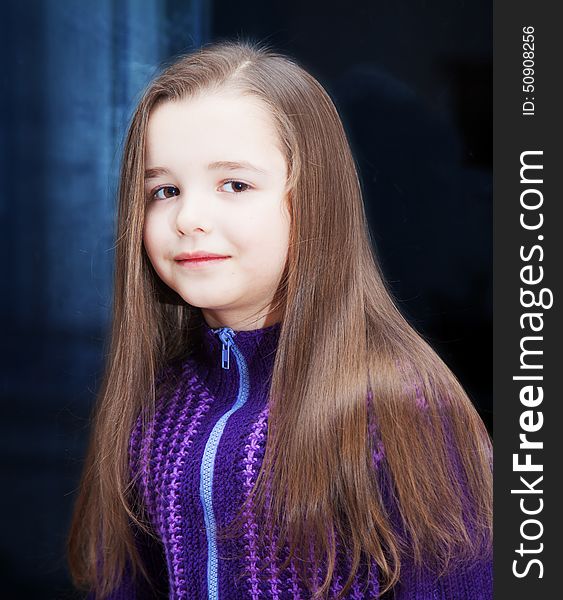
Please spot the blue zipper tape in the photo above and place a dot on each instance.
(208, 461)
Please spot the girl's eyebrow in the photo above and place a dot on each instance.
(155, 172)
(229, 165)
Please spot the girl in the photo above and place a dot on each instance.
(269, 425)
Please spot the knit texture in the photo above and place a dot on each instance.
(168, 460)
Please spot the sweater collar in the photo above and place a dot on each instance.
(217, 360)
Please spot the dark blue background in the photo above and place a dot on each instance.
(412, 81)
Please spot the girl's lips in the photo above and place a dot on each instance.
(201, 262)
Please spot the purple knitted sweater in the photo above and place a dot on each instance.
(197, 463)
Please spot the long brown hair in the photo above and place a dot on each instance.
(342, 340)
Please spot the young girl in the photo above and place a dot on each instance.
(269, 425)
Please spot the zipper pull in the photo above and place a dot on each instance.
(226, 336)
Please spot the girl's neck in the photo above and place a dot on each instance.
(215, 319)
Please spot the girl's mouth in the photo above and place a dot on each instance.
(201, 261)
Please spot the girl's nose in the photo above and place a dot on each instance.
(192, 213)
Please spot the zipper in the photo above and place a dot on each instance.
(226, 335)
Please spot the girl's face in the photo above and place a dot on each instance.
(215, 182)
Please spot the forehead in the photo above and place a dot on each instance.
(212, 127)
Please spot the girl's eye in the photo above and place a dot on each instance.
(154, 196)
(237, 186)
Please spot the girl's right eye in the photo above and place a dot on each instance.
(153, 194)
